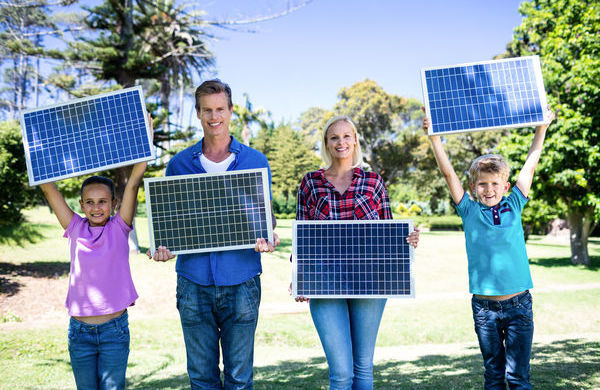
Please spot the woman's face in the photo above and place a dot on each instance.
(340, 140)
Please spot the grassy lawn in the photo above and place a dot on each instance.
(424, 343)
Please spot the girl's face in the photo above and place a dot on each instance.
(97, 203)
(341, 140)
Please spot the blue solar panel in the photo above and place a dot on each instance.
(86, 135)
(484, 95)
(209, 212)
(352, 259)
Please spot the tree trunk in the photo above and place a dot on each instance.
(579, 230)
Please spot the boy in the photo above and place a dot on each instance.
(499, 276)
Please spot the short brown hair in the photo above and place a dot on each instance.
(210, 87)
(489, 163)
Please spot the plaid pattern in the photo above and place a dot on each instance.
(366, 198)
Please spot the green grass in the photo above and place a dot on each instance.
(424, 343)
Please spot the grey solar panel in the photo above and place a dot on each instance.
(86, 135)
(352, 259)
(209, 212)
(484, 95)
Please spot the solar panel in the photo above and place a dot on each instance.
(209, 212)
(86, 135)
(352, 259)
(484, 95)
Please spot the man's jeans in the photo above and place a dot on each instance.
(99, 353)
(210, 314)
(505, 333)
(348, 331)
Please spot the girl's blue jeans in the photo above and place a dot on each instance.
(505, 333)
(99, 353)
(348, 331)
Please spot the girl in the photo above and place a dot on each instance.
(100, 285)
(342, 190)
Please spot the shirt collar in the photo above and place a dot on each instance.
(502, 203)
(234, 147)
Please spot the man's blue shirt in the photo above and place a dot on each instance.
(498, 262)
(226, 268)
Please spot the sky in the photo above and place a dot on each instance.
(303, 59)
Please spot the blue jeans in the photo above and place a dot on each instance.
(99, 353)
(210, 314)
(348, 331)
(505, 333)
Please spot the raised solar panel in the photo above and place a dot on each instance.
(484, 95)
(209, 212)
(352, 259)
(86, 135)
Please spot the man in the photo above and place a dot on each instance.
(218, 293)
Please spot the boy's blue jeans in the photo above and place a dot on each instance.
(348, 331)
(99, 353)
(505, 333)
(213, 314)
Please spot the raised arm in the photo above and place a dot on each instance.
(456, 190)
(63, 212)
(533, 157)
(128, 204)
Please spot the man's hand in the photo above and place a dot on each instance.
(161, 254)
(263, 245)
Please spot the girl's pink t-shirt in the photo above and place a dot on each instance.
(100, 278)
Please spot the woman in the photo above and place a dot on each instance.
(343, 191)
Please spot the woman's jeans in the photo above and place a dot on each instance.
(348, 331)
(99, 353)
(505, 333)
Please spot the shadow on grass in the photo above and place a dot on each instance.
(283, 249)
(9, 273)
(552, 262)
(567, 364)
(20, 234)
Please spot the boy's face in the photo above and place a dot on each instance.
(97, 203)
(490, 188)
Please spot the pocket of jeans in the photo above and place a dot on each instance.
(122, 333)
(72, 333)
(248, 301)
(479, 313)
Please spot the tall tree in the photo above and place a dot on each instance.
(565, 35)
(244, 115)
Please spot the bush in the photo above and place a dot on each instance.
(440, 222)
(16, 193)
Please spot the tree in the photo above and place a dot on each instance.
(16, 193)
(565, 36)
(289, 156)
(245, 114)
(311, 123)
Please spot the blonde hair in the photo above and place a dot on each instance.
(489, 163)
(357, 156)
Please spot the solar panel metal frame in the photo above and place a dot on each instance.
(295, 225)
(30, 145)
(532, 61)
(264, 196)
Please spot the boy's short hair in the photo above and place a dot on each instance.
(99, 180)
(357, 157)
(210, 87)
(489, 163)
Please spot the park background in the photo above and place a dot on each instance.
(292, 65)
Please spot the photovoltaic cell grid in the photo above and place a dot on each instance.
(485, 95)
(352, 259)
(209, 212)
(86, 135)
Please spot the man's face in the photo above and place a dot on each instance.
(215, 114)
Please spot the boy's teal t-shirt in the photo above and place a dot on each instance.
(498, 262)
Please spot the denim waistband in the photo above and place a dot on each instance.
(505, 304)
(118, 322)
